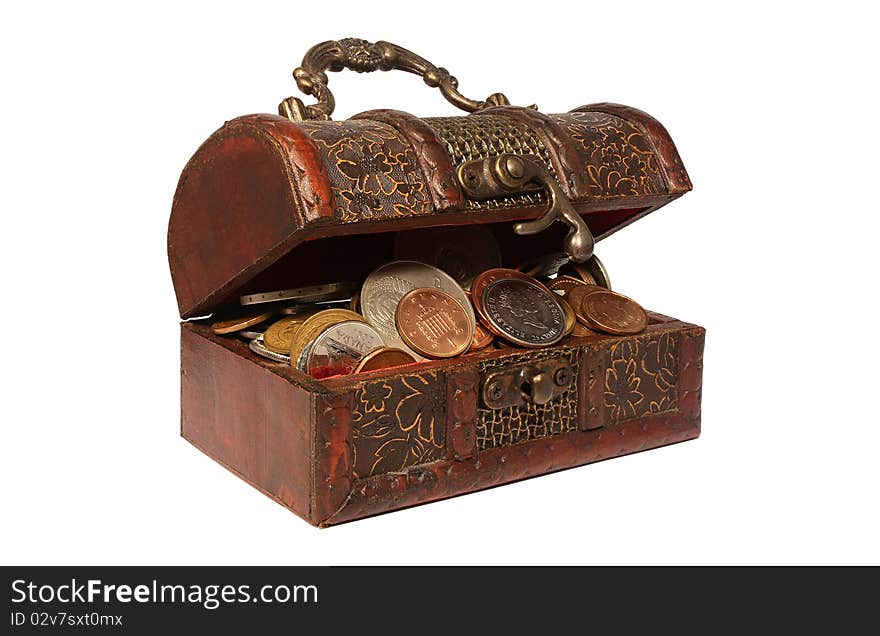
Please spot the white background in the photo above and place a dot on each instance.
(774, 252)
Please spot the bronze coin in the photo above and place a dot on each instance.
(242, 321)
(575, 297)
(591, 271)
(482, 337)
(580, 271)
(564, 284)
(614, 313)
(384, 358)
(580, 331)
(433, 323)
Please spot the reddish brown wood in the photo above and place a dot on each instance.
(591, 386)
(677, 180)
(436, 166)
(251, 420)
(332, 454)
(503, 465)
(461, 412)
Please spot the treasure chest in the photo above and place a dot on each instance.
(272, 204)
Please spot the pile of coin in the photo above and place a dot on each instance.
(408, 311)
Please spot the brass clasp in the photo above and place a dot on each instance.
(536, 383)
(512, 174)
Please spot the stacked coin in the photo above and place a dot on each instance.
(408, 311)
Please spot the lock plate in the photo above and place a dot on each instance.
(529, 383)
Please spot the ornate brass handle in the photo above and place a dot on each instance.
(364, 57)
(510, 174)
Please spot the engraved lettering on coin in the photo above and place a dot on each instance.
(340, 347)
(523, 312)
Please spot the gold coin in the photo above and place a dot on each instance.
(314, 326)
(279, 336)
(383, 358)
(242, 321)
(570, 317)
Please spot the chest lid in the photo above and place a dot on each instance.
(297, 198)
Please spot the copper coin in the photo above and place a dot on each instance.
(460, 251)
(614, 313)
(564, 284)
(433, 323)
(384, 358)
(580, 331)
(575, 297)
(482, 337)
(481, 282)
(242, 321)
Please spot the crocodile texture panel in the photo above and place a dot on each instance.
(481, 136)
(517, 424)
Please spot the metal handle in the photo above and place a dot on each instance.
(365, 57)
(509, 174)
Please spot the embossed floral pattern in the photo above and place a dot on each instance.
(373, 171)
(618, 159)
(642, 377)
(398, 423)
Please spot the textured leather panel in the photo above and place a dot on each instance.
(373, 170)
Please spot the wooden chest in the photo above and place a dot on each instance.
(279, 201)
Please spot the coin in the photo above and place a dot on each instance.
(383, 289)
(243, 321)
(570, 317)
(482, 337)
(546, 265)
(489, 276)
(259, 347)
(524, 312)
(355, 302)
(383, 358)
(279, 336)
(591, 271)
(339, 348)
(575, 297)
(614, 313)
(311, 294)
(433, 323)
(250, 334)
(564, 284)
(460, 251)
(314, 325)
(580, 331)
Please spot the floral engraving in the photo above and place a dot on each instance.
(618, 159)
(373, 171)
(397, 423)
(642, 377)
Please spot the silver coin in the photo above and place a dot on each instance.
(250, 335)
(461, 251)
(257, 346)
(340, 347)
(384, 288)
(311, 294)
(547, 265)
(523, 312)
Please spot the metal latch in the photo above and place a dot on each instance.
(512, 174)
(537, 382)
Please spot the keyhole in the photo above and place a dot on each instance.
(526, 388)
